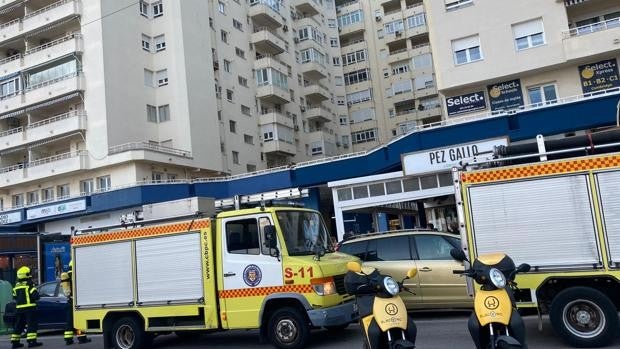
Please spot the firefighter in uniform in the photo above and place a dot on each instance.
(26, 297)
(67, 286)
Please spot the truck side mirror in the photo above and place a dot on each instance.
(458, 254)
(271, 240)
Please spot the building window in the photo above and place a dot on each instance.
(336, 61)
(354, 57)
(457, 4)
(338, 80)
(423, 61)
(104, 183)
(235, 157)
(160, 43)
(238, 25)
(18, 200)
(364, 136)
(158, 9)
(239, 52)
(33, 197)
(331, 23)
(232, 126)
(344, 120)
(333, 42)
(157, 177)
(350, 18)
(356, 77)
(148, 78)
(47, 194)
(467, 50)
(87, 186)
(242, 81)
(151, 113)
(400, 68)
(146, 43)
(543, 94)
(221, 7)
(416, 21)
(10, 87)
(62, 191)
(395, 27)
(227, 66)
(224, 36)
(245, 110)
(144, 9)
(250, 167)
(529, 34)
(162, 77)
(229, 95)
(402, 86)
(248, 139)
(359, 97)
(163, 112)
(268, 136)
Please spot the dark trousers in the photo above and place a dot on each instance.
(481, 335)
(375, 336)
(23, 317)
(69, 329)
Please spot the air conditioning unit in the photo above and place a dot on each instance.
(296, 127)
(398, 33)
(338, 9)
(303, 109)
(296, 40)
(349, 104)
(378, 17)
(338, 144)
(345, 145)
(285, 28)
(386, 75)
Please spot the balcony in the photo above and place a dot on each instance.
(53, 88)
(48, 15)
(309, 7)
(314, 70)
(398, 55)
(264, 40)
(316, 92)
(430, 90)
(54, 126)
(8, 3)
(43, 168)
(590, 40)
(353, 46)
(416, 31)
(413, 9)
(275, 118)
(395, 37)
(428, 112)
(280, 147)
(10, 65)
(55, 49)
(348, 7)
(272, 94)
(420, 49)
(402, 97)
(270, 62)
(351, 29)
(12, 138)
(264, 15)
(318, 114)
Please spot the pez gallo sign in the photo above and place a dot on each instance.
(442, 159)
(466, 103)
(599, 76)
(505, 95)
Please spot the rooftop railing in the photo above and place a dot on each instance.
(148, 146)
(591, 28)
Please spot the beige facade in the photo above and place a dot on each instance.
(102, 94)
(547, 51)
(388, 69)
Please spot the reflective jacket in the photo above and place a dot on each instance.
(25, 294)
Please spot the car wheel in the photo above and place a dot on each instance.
(584, 317)
(288, 329)
(127, 333)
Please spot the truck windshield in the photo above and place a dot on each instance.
(304, 232)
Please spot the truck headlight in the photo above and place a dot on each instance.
(391, 286)
(497, 278)
(325, 288)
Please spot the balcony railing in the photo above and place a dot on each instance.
(52, 81)
(47, 8)
(10, 23)
(56, 118)
(264, 28)
(11, 131)
(53, 43)
(148, 146)
(58, 157)
(10, 59)
(591, 28)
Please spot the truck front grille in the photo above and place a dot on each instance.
(339, 281)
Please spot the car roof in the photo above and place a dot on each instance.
(378, 235)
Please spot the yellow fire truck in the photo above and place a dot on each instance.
(563, 218)
(267, 268)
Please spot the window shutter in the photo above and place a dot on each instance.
(465, 43)
(528, 28)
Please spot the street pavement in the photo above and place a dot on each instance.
(445, 330)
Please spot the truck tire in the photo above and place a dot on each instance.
(584, 317)
(288, 329)
(127, 333)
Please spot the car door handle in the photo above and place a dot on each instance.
(426, 269)
(229, 274)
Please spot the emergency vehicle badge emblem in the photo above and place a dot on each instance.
(252, 275)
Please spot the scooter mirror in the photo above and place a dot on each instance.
(523, 268)
(412, 272)
(354, 267)
(458, 254)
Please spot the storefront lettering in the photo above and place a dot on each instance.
(454, 154)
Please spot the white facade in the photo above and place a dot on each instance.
(102, 94)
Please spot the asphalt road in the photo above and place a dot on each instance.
(435, 331)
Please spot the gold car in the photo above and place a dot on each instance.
(393, 253)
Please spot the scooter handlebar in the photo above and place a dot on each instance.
(458, 272)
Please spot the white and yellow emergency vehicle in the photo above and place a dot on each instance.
(267, 268)
(563, 218)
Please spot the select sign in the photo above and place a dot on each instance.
(442, 159)
(466, 103)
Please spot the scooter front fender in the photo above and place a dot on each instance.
(390, 313)
(493, 307)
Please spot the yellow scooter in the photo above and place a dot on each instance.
(495, 322)
(383, 316)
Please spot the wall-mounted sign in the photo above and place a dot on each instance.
(443, 159)
(54, 210)
(57, 257)
(466, 103)
(599, 76)
(505, 95)
(10, 217)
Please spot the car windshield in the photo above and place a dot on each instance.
(304, 232)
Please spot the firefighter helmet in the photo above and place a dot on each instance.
(71, 264)
(23, 273)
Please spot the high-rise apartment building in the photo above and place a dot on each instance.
(388, 69)
(496, 56)
(101, 94)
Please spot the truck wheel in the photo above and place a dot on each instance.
(584, 317)
(127, 333)
(288, 329)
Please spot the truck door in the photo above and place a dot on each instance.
(249, 272)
